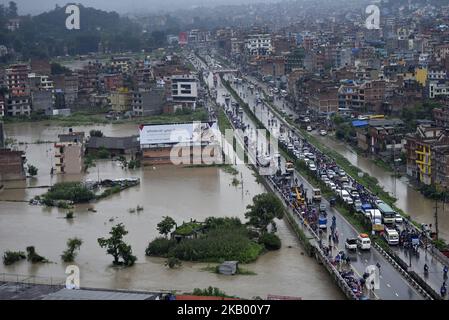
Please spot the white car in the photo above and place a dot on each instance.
(323, 132)
(309, 128)
(312, 166)
(332, 186)
(398, 218)
(351, 244)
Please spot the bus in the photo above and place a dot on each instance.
(388, 214)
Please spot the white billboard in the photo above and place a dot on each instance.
(176, 133)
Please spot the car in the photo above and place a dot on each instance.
(312, 166)
(363, 242)
(323, 132)
(351, 244)
(322, 207)
(290, 147)
(309, 128)
(332, 186)
(325, 180)
(398, 218)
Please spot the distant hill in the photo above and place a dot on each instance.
(46, 35)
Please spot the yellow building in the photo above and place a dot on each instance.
(421, 76)
(121, 100)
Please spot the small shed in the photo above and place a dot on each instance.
(228, 267)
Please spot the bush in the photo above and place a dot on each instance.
(71, 191)
(33, 256)
(270, 241)
(218, 245)
(10, 257)
(32, 170)
(160, 247)
(103, 153)
(173, 262)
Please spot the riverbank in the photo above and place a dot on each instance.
(89, 118)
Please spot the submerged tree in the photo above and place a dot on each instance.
(33, 256)
(10, 257)
(116, 247)
(264, 209)
(164, 227)
(69, 254)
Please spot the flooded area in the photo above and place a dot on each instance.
(181, 193)
(409, 200)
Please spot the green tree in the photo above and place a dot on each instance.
(69, 254)
(166, 225)
(12, 9)
(117, 247)
(96, 133)
(264, 209)
(33, 256)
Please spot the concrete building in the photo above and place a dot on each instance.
(69, 153)
(115, 145)
(18, 106)
(42, 101)
(420, 151)
(12, 165)
(121, 100)
(438, 89)
(259, 45)
(147, 103)
(184, 91)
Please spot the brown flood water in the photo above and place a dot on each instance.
(181, 193)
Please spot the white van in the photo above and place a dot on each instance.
(363, 242)
(346, 197)
(391, 236)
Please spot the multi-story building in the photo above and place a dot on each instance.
(121, 100)
(16, 80)
(184, 90)
(147, 103)
(438, 89)
(259, 44)
(420, 152)
(18, 106)
(324, 100)
(69, 153)
(441, 117)
(12, 165)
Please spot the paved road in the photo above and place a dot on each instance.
(392, 284)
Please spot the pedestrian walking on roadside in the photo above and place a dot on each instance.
(443, 291)
(445, 269)
(378, 266)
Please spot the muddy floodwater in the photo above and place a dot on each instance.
(181, 193)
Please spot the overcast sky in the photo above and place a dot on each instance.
(122, 6)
